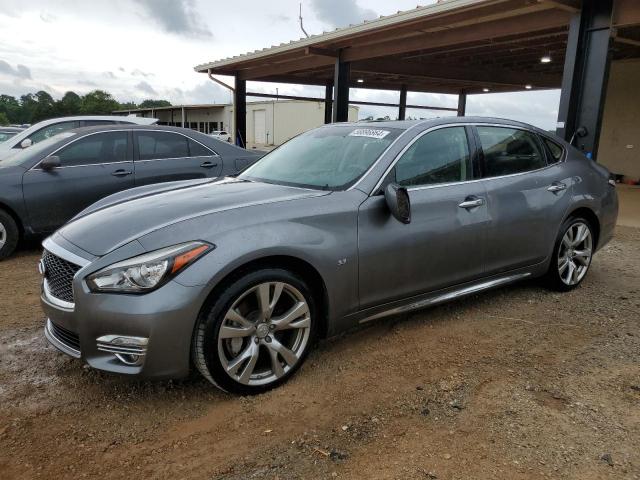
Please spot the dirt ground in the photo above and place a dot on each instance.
(517, 383)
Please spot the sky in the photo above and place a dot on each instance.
(141, 49)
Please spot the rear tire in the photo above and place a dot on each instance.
(572, 255)
(257, 333)
(9, 235)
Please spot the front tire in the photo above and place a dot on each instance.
(572, 254)
(9, 235)
(257, 333)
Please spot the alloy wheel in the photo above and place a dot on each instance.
(3, 235)
(574, 254)
(264, 333)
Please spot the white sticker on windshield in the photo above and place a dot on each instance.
(369, 132)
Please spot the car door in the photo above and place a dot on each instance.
(164, 156)
(91, 168)
(527, 196)
(443, 245)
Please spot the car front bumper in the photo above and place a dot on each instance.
(143, 335)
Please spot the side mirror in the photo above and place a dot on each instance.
(397, 199)
(50, 163)
(26, 143)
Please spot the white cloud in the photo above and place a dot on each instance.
(118, 45)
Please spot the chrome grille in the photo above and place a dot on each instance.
(59, 274)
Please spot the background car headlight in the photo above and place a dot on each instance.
(147, 272)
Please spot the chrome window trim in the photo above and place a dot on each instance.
(35, 167)
(381, 156)
(437, 185)
(213, 153)
(175, 158)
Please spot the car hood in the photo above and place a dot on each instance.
(101, 230)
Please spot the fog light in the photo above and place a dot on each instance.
(129, 350)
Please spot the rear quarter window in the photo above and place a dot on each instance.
(555, 150)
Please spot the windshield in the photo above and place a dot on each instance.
(18, 156)
(330, 158)
(6, 135)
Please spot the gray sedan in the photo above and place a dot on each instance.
(342, 225)
(45, 185)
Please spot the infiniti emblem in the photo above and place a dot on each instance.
(42, 268)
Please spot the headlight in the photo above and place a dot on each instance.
(147, 272)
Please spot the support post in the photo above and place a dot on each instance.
(341, 88)
(402, 109)
(328, 101)
(586, 71)
(240, 112)
(462, 103)
(183, 119)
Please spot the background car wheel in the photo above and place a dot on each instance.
(258, 332)
(9, 235)
(572, 254)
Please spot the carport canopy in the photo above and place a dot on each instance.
(453, 47)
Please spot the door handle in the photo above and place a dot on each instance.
(209, 164)
(472, 202)
(121, 173)
(557, 187)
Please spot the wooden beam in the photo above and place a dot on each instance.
(305, 63)
(626, 13)
(463, 74)
(323, 52)
(627, 41)
(571, 6)
(496, 29)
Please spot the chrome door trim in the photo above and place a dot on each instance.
(437, 298)
(175, 158)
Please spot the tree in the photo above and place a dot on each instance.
(154, 104)
(70, 104)
(98, 102)
(45, 107)
(10, 107)
(4, 120)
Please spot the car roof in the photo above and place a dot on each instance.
(406, 124)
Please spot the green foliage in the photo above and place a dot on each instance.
(35, 107)
(154, 104)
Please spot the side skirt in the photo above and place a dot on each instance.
(440, 296)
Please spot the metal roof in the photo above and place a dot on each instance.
(341, 33)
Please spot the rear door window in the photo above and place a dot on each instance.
(159, 145)
(198, 150)
(507, 151)
(99, 148)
